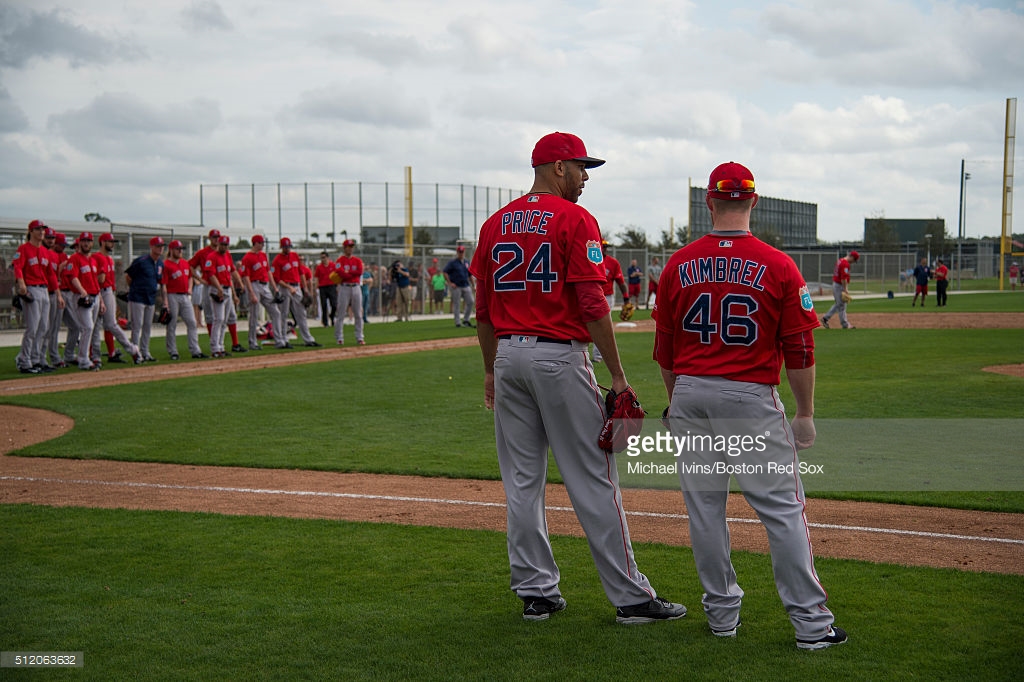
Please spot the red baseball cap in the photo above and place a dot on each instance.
(156, 241)
(105, 237)
(732, 182)
(60, 238)
(49, 233)
(223, 239)
(348, 242)
(562, 147)
(85, 237)
(258, 239)
(175, 244)
(214, 235)
(854, 255)
(37, 225)
(285, 242)
(460, 248)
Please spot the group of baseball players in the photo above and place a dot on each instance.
(730, 313)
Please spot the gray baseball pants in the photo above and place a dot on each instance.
(349, 294)
(36, 315)
(462, 295)
(839, 306)
(770, 479)
(265, 298)
(546, 395)
(109, 323)
(294, 302)
(141, 316)
(87, 320)
(180, 306)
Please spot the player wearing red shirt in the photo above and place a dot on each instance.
(219, 274)
(176, 282)
(348, 271)
(840, 286)
(33, 277)
(287, 272)
(56, 243)
(262, 290)
(200, 299)
(84, 283)
(941, 283)
(327, 289)
(730, 310)
(106, 275)
(539, 270)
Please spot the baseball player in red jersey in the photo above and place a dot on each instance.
(840, 286)
(200, 301)
(730, 311)
(33, 277)
(327, 289)
(107, 325)
(287, 272)
(56, 243)
(254, 270)
(941, 283)
(176, 282)
(87, 304)
(219, 274)
(349, 270)
(539, 270)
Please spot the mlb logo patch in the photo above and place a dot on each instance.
(725, 244)
(805, 299)
(594, 254)
(533, 199)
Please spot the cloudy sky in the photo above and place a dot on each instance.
(865, 108)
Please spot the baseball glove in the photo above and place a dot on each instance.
(16, 302)
(217, 295)
(85, 301)
(165, 316)
(278, 297)
(626, 314)
(335, 277)
(307, 300)
(846, 297)
(625, 418)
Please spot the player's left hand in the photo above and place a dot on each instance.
(804, 432)
(625, 418)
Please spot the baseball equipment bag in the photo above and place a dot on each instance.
(165, 316)
(307, 300)
(846, 297)
(625, 418)
(217, 295)
(85, 301)
(278, 297)
(626, 314)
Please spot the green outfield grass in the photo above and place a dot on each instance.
(987, 302)
(172, 596)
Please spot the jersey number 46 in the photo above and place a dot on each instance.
(736, 327)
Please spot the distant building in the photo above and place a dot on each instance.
(395, 234)
(892, 234)
(781, 222)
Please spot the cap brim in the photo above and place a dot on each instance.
(590, 161)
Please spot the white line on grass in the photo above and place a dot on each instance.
(471, 503)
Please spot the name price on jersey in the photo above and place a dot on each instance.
(42, 659)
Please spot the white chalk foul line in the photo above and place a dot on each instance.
(471, 503)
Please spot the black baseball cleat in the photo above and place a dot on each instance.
(116, 357)
(468, 324)
(44, 369)
(29, 370)
(541, 608)
(285, 346)
(648, 612)
(824, 322)
(149, 358)
(239, 348)
(832, 637)
(200, 356)
(313, 344)
(174, 356)
(255, 348)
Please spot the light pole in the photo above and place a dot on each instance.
(964, 177)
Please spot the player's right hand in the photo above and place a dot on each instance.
(489, 390)
(804, 432)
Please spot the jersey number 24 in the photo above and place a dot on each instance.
(509, 277)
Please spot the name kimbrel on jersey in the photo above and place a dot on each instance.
(722, 269)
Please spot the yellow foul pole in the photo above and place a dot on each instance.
(1006, 243)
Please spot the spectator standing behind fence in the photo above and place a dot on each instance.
(1014, 276)
(634, 278)
(366, 285)
(653, 276)
(941, 283)
(439, 287)
(841, 290)
(143, 276)
(400, 278)
(456, 273)
(922, 273)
